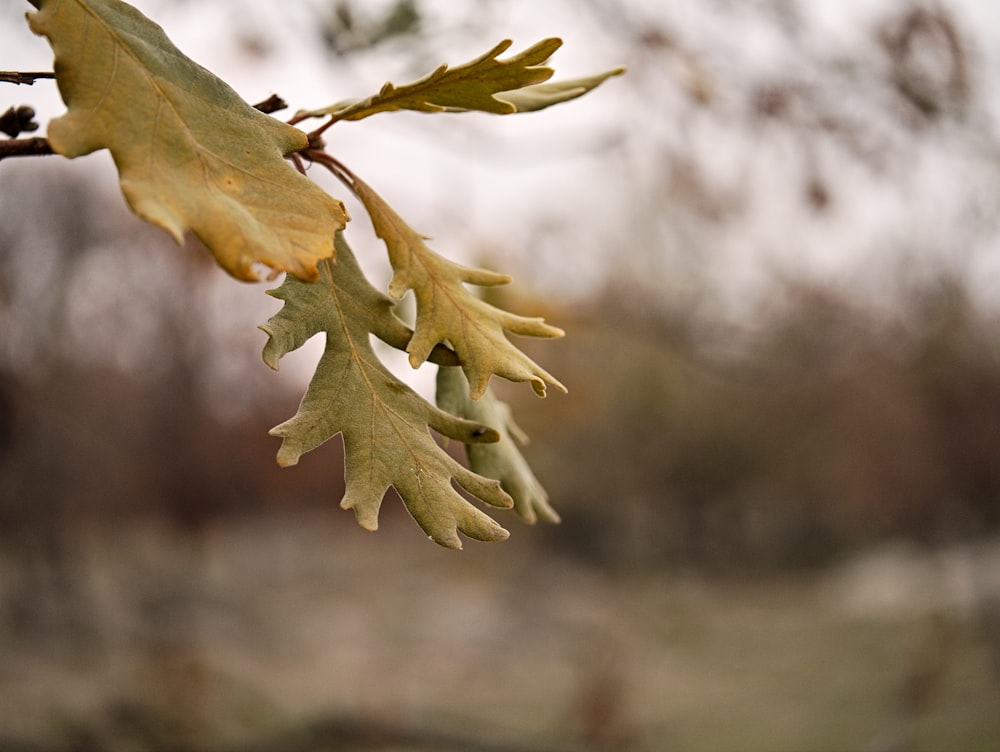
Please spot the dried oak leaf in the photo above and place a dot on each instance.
(501, 459)
(447, 312)
(191, 154)
(485, 84)
(384, 423)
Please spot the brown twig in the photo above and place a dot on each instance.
(23, 77)
(272, 104)
(25, 147)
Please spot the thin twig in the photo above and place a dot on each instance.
(23, 77)
(273, 103)
(25, 147)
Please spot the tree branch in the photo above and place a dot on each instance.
(25, 147)
(22, 77)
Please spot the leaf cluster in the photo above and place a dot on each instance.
(193, 156)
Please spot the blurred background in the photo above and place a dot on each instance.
(775, 246)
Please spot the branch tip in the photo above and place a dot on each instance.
(24, 77)
(273, 103)
(25, 147)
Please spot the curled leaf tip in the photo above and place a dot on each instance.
(539, 387)
(449, 541)
(508, 502)
(287, 460)
(482, 435)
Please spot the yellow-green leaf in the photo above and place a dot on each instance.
(471, 86)
(448, 312)
(540, 96)
(383, 422)
(191, 155)
(502, 459)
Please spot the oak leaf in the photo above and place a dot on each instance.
(502, 459)
(470, 86)
(191, 154)
(540, 96)
(448, 312)
(384, 423)
(485, 84)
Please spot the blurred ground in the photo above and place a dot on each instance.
(301, 633)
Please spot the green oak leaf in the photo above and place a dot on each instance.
(384, 423)
(485, 84)
(448, 312)
(191, 154)
(502, 459)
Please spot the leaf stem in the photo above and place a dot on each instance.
(315, 134)
(320, 130)
(334, 165)
(297, 161)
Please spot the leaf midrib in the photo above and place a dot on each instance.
(393, 417)
(203, 154)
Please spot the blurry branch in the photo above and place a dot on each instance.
(25, 147)
(23, 77)
(344, 32)
(929, 61)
